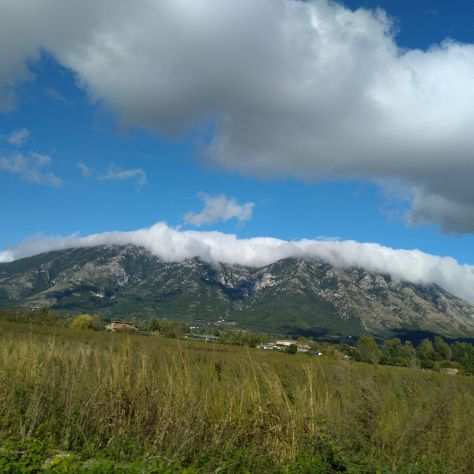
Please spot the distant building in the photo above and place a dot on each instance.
(283, 345)
(287, 343)
(449, 371)
(202, 337)
(121, 326)
(223, 322)
(267, 347)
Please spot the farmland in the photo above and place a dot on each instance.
(163, 405)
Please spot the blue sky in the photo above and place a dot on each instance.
(67, 120)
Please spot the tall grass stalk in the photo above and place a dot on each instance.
(91, 392)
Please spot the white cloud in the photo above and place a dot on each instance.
(114, 173)
(6, 257)
(32, 168)
(85, 170)
(173, 245)
(18, 137)
(119, 174)
(308, 90)
(219, 209)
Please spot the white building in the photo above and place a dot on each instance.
(283, 345)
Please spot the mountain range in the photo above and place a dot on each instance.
(290, 296)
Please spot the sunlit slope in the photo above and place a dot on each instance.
(289, 296)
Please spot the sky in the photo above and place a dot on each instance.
(257, 118)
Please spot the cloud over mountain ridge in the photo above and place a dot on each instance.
(216, 247)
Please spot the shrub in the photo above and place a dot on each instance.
(292, 349)
(85, 322)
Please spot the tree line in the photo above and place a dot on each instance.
(434, 354)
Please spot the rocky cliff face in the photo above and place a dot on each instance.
(295, 296)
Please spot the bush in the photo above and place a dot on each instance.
(167, 328)
(292, 349)
(85, 322)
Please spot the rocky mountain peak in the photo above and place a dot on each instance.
(290, 295)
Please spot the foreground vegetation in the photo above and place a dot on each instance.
(84, 401)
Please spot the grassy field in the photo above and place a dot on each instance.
(79, 401)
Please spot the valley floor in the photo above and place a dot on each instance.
(79, 401)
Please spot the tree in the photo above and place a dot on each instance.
(85, 322)
(369, 350)
(292, 349)
(391, 351)
(396, 353)
(442, 348)
(426, 354)
(408, 355)
(463, 353)
(168, 328)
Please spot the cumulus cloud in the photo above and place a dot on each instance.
(427, 207)
(297, 89)
(18, 137)
(219, 209)
(32, 168)
(216, 247)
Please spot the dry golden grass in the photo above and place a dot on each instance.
(88, 391)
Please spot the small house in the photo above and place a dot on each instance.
(121, 326)
(449, 371)
(284, 345)
(270, 346)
